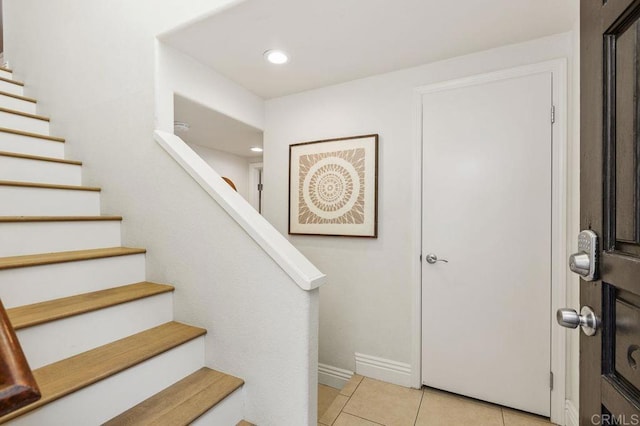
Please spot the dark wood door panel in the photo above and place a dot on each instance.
(590, 369)
(616, 401)
(621, 63)
(613, 10)
(626, 129)
(610, 198)
(627, 343)
(591, 192)
(591, 127)
(621, 270)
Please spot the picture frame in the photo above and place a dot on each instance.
(333, 187)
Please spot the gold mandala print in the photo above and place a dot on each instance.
(332, 189)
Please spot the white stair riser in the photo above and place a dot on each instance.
(47, 237)
(6, 74)
(24, 286)
(109, 397)
(229, 411)
(25, 201)
(10, 102)
(26, 170)
(14, 89)
(71, 336)
(25, 124)
(32, 146)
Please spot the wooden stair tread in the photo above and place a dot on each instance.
(17, 83)
(22, 98)
(24, 114)
(31, 135)
(39, 158)
(244, 423)
(71, 374)
(182, 402)
(6, 69)
(10, 219)
(48, 186)
(51, 310)
(65, 256)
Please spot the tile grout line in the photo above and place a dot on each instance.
(368, 420)
(420, 406)
(342, 410)
(349, 399)
(355, 390)
(345, 404)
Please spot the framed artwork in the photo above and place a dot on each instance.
(333, 187)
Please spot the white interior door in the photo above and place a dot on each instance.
(487, 211)
(255, 186)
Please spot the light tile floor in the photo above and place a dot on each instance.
(368, 402)
(326, 395)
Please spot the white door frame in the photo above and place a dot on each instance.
(559, 225)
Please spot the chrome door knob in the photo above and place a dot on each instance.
(587, 319)
(432, 258)
(568, 318)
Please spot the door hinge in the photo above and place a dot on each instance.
(553, 114)
(551, 380)
(260, 186)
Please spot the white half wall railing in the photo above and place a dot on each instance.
(294, 263)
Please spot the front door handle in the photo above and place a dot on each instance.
(432, 258)
(587, 319)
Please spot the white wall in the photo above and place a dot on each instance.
(229, 165)
(367, 305)
(91, 64)
(182, 74)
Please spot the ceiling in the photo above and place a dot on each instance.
(333, 41)
(214, 130)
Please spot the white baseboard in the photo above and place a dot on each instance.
(571, 417)
(333, 376)
(389, 371)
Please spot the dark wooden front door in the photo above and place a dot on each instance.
(610, 206)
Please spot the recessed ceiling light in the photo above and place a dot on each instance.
(277, 57)
(256, 149)
(180, 127)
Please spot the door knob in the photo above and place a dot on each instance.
(587, 319)
(432, 258)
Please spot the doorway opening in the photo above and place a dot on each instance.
(232, 148)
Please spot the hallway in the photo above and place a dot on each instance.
(368, 402)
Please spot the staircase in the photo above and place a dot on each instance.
(101, 341)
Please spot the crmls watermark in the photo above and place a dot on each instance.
(611, 419)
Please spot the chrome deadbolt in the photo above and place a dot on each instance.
(587, 319)
(585, 262)
(580, 263)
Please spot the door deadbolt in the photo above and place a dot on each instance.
(587, 319)
(585, 262)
